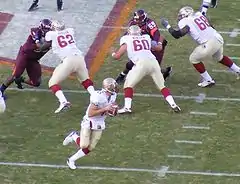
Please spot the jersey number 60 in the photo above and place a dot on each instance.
(141, 45)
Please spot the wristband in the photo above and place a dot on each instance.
(113, 54)
(168, 26)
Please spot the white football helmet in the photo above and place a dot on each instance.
(185, 12)
(110, 85)
(134, 30)
(57, 26)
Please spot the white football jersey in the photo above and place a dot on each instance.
(200, 29)
(63, 42)
(138, 47)
(100, 99)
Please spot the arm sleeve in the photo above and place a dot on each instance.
(94, 99)
(123, 40)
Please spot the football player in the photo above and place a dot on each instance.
(93, 123)
(148, 26)
(64, 45)
(138, 48)
(2, 103)
(34, 5)
(208, 4)
(210, 42)
(28, 58)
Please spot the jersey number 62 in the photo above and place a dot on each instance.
(64, 40)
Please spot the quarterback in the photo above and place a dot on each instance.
(210, 42)
(64, 45)
(93, 124)
(138, 48)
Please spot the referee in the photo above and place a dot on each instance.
(34, 5)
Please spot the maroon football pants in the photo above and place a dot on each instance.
(32, 67)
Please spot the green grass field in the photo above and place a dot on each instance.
(31, 133)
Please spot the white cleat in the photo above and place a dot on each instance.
(124, 110)
(176, 108)
(71, 164)
(63, 106)
(206, 83)
(68, 139)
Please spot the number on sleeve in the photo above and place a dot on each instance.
(63, 41)
(152, 25)
(202, 22)
(141, 45)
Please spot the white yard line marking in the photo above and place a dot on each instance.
(235, 33)
(180, 156)
(222, 71)
(135, 94)
(233, 44)
(188, 142)
(203, 113)
(163, 169)
(195, 127)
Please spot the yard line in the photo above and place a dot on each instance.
(162, 169)
(221, 32)
(188, 142)
(180, 156)
(222, 71)
(135, 94)
(195, 127)
(203, 113)
(233, 44)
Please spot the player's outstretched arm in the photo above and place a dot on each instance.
(175, 33)
(120, 52)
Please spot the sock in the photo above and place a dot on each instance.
(168, 97)
(128, 93)
(56, 89)
(201, 69)
(3, 88)
(226, 61)
(76, 138)
(90, 89)
(81, 153)
(88, 85)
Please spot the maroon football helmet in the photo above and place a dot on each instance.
(140, 17)
(45, 25)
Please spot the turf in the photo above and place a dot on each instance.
(30, 131)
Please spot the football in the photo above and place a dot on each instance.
(114, 110)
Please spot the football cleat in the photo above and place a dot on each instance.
(167, 72)
(19, 82)
(33, 7)
(69, 138)
(176, 108)
(206, 83)
(71, 164)
(63, 106)
(124, 110)
(59, 5)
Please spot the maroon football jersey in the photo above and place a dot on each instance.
(30, 48)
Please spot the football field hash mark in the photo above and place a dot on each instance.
(203, 113)
(188, 142)
(181, 156)
(163, 168)
(135, 94)
(195, 127)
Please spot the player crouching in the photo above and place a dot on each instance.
(138, 48)
(64, 45)
(93, 123)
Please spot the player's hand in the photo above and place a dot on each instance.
(164, 22)
(108, 107)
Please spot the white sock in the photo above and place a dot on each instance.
(128, 103)
(75, 136)
(235, 68)
(90, 89)
(170, 100)
(59, 94)
(206, 76)
(77, 155)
